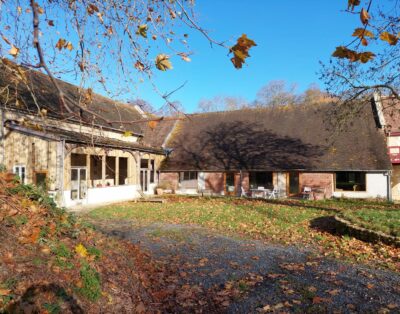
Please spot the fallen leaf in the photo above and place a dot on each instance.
(5, 291)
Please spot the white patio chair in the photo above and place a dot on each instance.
(307, 192)
(273, 194)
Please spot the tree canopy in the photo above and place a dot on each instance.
(370, 61)
(90, 40)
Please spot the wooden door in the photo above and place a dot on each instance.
(230, 183)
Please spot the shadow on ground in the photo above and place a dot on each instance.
(28, 301)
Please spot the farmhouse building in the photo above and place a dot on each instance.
(286, 148)
(83, 159)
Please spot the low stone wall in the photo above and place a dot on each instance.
(344, 226)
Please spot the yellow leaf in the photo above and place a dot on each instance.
(241, 50)
(390, 38)
(14, 51)
(163, 63)
(127, 134)
(81, 250)
(69, 46)
(142, 30)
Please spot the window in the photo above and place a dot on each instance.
(123, 171)
(41, 179)
(258, 179)
(78, 160)
(350, 181)
(144, 163)
(152, 171)
(20, 172)
(188, 175)
(110, 171)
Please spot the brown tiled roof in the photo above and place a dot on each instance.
(156, 137)
(286, 138)
(47, 98)
(391, 112)
(58, 134)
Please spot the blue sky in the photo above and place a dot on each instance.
(292, 37)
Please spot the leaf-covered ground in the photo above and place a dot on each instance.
(292, 222)
(51, 262)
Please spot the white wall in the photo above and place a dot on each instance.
(104, 195)
(376, 188)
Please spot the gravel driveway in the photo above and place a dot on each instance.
(270, 278)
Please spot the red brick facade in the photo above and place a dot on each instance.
(323, 181)
(170, 179)
(214, 181)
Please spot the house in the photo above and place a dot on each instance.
(286, 148)
(79, 158)
(388, 118)
(109, 152)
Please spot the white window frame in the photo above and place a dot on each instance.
(17, 170)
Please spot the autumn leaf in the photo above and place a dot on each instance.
(14, 51)
(172, 14)
(153, 124)
(92, 8)
(184, 57)
(127, 134)
(364, 57)
(6, 39)
(353, 56)
(5, 291)
(139, 65)
(61, 43)
(390, 38)
(50, 22)
(69, 46)
(241, 51)
(364, 16)
(142, 30)
(163, 63)
(352, 3)
(361, 33)
(81, 250)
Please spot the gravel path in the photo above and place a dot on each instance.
(270, 277)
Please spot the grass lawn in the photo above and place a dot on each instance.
(289, 221)
(387, 221)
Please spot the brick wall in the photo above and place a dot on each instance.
(170, 178)
(317, 180)
(214, 181)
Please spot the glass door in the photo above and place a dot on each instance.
(293, 183)
(143, 180)
(78, 183)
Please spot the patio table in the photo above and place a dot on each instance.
(260, 192)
